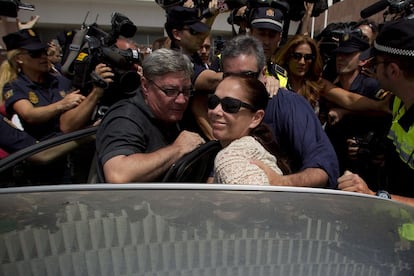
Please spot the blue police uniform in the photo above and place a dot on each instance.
(299, 132)
(52, 90)
(13, 139)
(369, 131)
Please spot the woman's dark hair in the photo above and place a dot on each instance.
(258, 97)
(256, 92)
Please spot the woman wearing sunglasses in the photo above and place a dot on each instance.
(301, 58)
(235, 113)
(29, 90)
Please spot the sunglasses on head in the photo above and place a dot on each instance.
(37, 53)
(299, 56)
(228, 104)
(245, 74)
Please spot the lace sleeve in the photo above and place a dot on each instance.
(232, 164)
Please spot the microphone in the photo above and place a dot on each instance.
(374, 8)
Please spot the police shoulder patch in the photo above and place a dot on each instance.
(8, 94)
(280, 70)
(33, 98)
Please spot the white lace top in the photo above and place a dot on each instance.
(232, 164)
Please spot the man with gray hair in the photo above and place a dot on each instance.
(312, 158)
(139, 138)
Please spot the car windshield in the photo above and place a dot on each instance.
(172, 229)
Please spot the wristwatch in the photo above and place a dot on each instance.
(383, 194)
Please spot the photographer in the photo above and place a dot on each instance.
(81, 116)
(106, 70)
(393, 52)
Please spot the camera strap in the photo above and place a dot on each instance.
(74, 50)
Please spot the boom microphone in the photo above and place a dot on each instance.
(374, 8)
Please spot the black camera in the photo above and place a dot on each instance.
(395, 8)
(369, 145)
(251, 5)
(98, 46)
(11, 7)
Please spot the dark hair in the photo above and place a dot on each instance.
(256, 91)
(404, 62)
(257, 96)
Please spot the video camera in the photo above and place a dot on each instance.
(251, 5)
(202, 5)
(395, 8)
(92, 45)
(11, 7)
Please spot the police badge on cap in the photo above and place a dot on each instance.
(267, 18)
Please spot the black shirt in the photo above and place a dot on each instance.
(129, 127)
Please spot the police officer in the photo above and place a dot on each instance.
(364, 134)
(266, 24)
(37, 96)
(11, 138)
(394, 55)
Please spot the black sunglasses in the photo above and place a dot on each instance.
(37, 53)
(244, 74)
(299, 56)
(229, 105)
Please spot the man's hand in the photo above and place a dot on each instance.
(27, 25)
(188, 141)
(272, 85)
(275, 179)
(71, 100)
(352, 182)
(103, 74)
(336, 114)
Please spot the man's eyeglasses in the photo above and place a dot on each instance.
(191, 31)
(36, 53)
(174, 92)
(228, 104)
(244, 74)
(299, 56)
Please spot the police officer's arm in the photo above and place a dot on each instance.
(144, 167)
(199, 109)
(47, 156)
(13, 139)
(37, 115)
(352, 101)
(208, 80)
(79, 116)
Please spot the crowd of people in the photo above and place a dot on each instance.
(294, 114)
